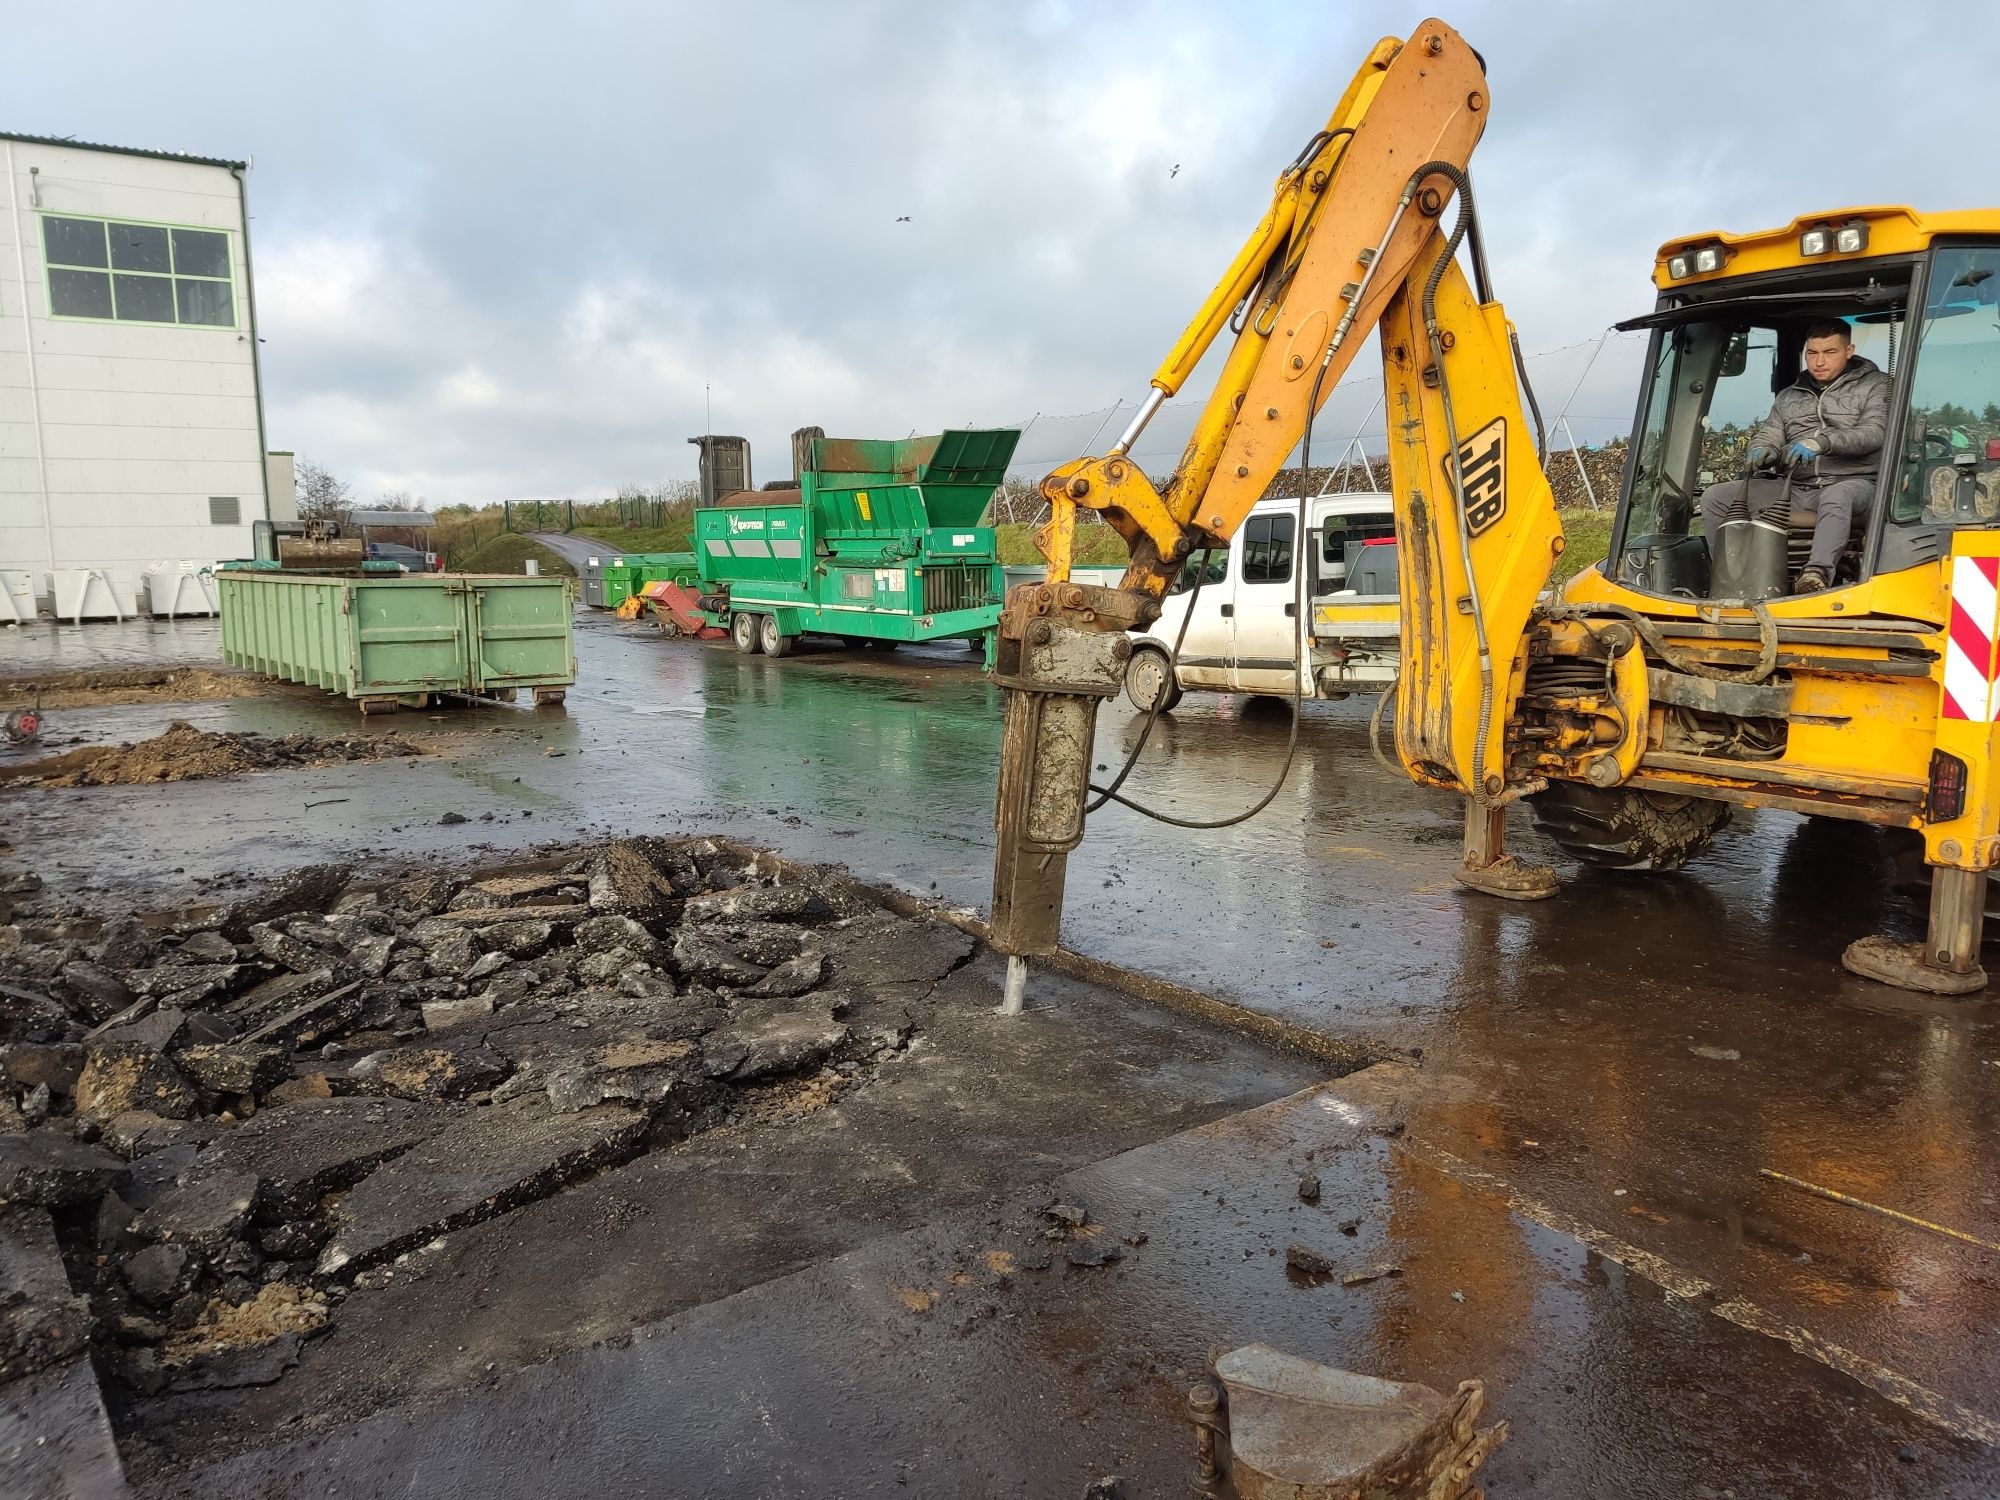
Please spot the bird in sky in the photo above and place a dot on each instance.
(904, 219)
(1176, 171)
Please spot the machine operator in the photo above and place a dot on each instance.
(1825, 431)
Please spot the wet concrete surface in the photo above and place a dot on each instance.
(948, 1361)
(1622, 1058)
(978, 1111)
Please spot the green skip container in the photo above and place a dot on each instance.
(385, 642)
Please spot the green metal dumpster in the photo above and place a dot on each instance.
(626, 573)
(387, 641)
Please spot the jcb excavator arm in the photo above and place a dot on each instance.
(1362, 233)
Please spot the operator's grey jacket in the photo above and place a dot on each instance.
(1848, 420)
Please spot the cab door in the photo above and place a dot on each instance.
(1204, 658)
(1263, 608)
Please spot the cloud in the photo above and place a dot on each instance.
(501, 257)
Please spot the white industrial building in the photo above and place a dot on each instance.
(131, 411)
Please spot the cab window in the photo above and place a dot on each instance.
(1214, 570)
(1949, 474)
(1267, 549)
(1341, 541)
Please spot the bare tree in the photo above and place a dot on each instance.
(322, 497)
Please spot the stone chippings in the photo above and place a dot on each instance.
(268, 1103)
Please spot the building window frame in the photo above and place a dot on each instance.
(171, 277)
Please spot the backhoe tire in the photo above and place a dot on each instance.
(743, 633)
(1149, 675)
(1623, 828)
(773, 641)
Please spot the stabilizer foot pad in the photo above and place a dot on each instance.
(1511, 879)
(1902, 965)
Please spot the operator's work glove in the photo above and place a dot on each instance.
(1803, 451)
(1762, 455)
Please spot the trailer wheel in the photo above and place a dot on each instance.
(743, 633)
(1623, 828)
(771, 640)
(1149, 676)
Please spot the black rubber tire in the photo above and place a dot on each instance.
(1623, 828)
(771, 640)
(1155, 678)
(743, 633)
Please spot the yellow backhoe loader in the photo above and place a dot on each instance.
(1678, 678)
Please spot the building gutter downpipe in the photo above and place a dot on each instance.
(34, 380)
(256, 354)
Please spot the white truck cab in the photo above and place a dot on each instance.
(1245, 633)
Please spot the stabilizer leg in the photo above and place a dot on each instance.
(1489, 869)
(1947, 961)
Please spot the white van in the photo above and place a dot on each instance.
(1244, 636)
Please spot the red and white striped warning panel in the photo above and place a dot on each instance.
(1969, 643)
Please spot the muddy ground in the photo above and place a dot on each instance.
(1573, 1194)
(288, 1144)
(94, 687)
(184, 753)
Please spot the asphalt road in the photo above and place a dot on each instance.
(575, 550)
(1602, 1080)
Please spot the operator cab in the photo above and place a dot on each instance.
(1721, 349)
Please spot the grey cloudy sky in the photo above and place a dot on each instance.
(501, 247)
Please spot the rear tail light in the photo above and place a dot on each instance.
(1948, 775)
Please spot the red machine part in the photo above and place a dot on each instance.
(675, 608)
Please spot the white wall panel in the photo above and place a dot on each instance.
(103, 372)
(149, 442)
(139, 425)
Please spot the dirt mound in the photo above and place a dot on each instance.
(95, 686)
(185, 753)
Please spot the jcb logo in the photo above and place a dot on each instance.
(1482, 471)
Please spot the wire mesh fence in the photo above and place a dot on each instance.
(1585, 390)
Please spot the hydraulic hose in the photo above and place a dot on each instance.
(1428, 307)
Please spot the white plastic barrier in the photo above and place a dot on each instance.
(17, 596)
(174, 589)
(93, 594)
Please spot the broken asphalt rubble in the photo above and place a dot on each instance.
(230, 1118)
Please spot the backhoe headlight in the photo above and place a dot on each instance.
(1851, 239)
(1815, 242)
(1678, 268)
(1708, 260)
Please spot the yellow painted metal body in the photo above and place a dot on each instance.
(1334, 247)
(1860, 740)
(1892, 230)
(1353, 241)
(1448, 687)
(1330, 616)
